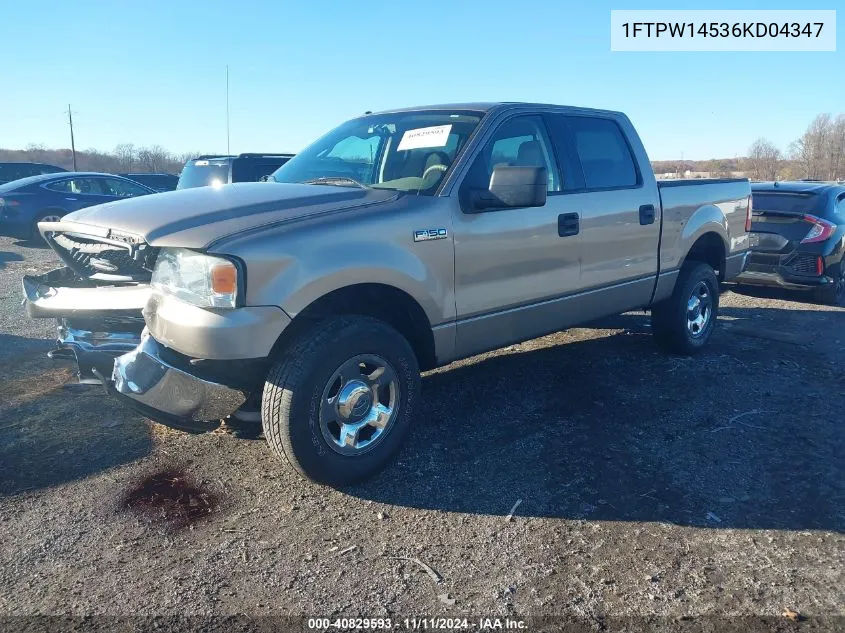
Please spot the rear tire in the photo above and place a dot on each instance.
(684, 323)
(340, 401)
(834, 294)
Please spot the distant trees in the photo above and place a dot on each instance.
(820, 151)
(818, 154)
(122, 159)
(764, 160)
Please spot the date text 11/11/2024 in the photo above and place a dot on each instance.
(481, 624)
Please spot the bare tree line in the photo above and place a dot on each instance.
(819, 154)
(125, 158)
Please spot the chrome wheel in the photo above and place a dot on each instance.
(699, 310)
(50, 218)
(359, 404)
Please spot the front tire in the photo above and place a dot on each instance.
(684, 323)
(340, 402)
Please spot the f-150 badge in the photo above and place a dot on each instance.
(423, 235)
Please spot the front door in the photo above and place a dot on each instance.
(511, 264)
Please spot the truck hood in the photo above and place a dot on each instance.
(194, 218)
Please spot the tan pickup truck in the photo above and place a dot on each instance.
(398, 242)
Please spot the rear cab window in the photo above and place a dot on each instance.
(603, 153)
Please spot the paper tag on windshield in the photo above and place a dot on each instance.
(436, 136)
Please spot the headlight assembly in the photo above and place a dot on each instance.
(201, 280)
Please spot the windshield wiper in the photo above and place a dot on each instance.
(338, 181)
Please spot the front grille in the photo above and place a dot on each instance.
(802, 263)
(90, 257)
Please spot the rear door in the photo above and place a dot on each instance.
(619, 210)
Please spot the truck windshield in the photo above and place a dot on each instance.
(403, 151)
(203, 173)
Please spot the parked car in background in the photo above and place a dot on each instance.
(26, 202)
(399, 241)
(798, 238)
(210, 170)
(16, 171)
(159, 182)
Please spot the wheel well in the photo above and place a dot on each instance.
(709, 249)
(386, 303)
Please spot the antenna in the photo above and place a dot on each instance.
(227, 110)
(72, 144)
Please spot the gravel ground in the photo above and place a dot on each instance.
(648, 485)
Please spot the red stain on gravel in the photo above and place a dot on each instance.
(169, 497)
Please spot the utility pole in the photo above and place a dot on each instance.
(227, 109)
(72, 145)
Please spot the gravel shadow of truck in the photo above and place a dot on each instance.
(746, 435)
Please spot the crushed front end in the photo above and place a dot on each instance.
(97, 298)
(100, 299)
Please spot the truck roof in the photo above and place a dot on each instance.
(488, 106)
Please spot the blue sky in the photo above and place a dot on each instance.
(154, 72)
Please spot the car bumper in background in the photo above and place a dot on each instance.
(795, 270)
(777, 278)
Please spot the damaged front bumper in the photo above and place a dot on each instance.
(90, 331)
(169, 394)
(103, 330)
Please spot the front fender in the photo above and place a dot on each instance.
(393, 267)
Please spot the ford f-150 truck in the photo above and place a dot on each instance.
(398, 242)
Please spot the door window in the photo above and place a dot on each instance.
(76, 186)
(521, 141)
(122, 188)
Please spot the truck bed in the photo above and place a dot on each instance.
(690, 206)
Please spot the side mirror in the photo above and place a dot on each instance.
(513, 187)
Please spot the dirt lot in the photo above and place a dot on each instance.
(649, 485)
